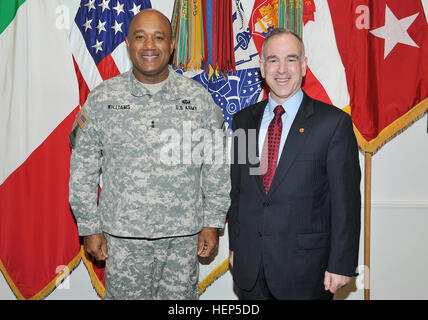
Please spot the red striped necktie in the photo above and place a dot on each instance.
(273, 142)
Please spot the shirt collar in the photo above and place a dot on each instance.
(291, 106)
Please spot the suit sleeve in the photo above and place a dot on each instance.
(344, 176)
(233, 223)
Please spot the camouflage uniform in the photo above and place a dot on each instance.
(142, 196)
(161, 269)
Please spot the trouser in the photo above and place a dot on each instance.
(159, 269)
(260, 291)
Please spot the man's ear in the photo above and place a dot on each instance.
(304, 66)
(127, 42)
(172, 46)
(262, 68)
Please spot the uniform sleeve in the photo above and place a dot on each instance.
(344, 176)
(215, 175)
(85, 166)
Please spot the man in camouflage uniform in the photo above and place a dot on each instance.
(162, 202)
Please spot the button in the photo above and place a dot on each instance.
(260, 234)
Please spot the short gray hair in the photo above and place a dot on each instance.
(280, 31)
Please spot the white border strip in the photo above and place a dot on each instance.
(121, 58)
(84, 60)
(400, 204)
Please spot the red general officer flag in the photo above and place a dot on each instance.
(384, 48)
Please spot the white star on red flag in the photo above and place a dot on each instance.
(395, 31)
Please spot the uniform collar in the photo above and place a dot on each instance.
(168, 92)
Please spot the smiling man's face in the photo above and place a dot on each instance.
(283, 66)
(150, 46)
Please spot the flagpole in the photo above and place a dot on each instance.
(367, 215)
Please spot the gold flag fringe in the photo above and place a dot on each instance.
(392, 130)
(213, 275)
(49, 287)
(96, 282)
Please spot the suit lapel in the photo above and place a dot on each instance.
(257, 116)
(295, 140)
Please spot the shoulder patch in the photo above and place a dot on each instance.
(81, 118)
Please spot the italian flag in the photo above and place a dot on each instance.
(39, 243)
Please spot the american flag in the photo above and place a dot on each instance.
(98, 40)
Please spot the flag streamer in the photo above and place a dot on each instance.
(196, 39)
(204, 35)
(290, 15)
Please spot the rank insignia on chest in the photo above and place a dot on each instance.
(81, 118)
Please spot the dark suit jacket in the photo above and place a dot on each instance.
(309, 222)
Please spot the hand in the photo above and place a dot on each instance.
(333, 282)
(96, 246)
(230, 259)
(208, 242)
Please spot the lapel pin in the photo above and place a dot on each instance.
(301, 130)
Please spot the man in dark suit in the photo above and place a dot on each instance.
(294, 219)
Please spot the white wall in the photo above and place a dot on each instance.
(399, 255)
